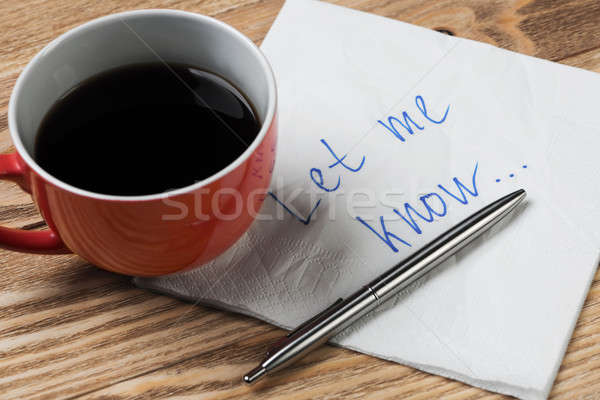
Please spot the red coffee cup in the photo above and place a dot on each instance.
(141, 235)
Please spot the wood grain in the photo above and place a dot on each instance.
(71, 331)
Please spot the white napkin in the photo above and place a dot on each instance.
(498, 315)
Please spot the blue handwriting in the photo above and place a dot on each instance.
(430, 213)
(429, 207)
(408, 123)
(512, 175)
(316, 175)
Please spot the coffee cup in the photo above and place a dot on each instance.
(154, 234)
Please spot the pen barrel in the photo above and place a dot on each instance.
(444, 246)
(320, 329)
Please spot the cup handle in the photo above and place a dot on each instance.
(42, 242)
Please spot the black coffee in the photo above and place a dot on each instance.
(145, 129)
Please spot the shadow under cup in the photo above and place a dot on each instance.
(160, 233)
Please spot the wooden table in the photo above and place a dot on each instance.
(71, 331)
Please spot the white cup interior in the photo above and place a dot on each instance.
(135, 37)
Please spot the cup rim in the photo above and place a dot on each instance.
(266, 125)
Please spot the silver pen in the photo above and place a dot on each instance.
(317, 330)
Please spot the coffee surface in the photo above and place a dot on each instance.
(145, 129)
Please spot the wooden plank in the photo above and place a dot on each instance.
(589, 60)
(337, 373)
(548, 29)
(69, 330)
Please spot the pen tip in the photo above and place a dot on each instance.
(254, 375)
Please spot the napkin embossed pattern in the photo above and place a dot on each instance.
(442, 126)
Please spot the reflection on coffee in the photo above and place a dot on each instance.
(145, 129)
